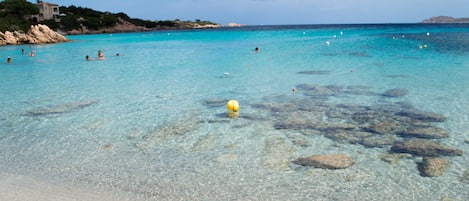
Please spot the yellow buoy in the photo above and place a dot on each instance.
(232, 105)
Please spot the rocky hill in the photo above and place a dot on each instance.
(16, 16)
(78, 20)
(446, 19)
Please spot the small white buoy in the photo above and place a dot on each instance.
(328, 43)
(341, 33)
(428, 33)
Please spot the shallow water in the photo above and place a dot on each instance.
(152, 124)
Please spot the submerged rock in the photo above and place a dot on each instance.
(378, 141)
(204, 142)
(277, 153)
(366, 116)
(315, 72)
(422, 116)
(351, 137)
(359, 90)
(63, 108)
(176, 129)
(383, 127)
(394, 93)
(465, 177)
(331, 161)
(316, 90)
(425, 132)
(394, 159)
(422, 147)
(433, 167)
(299, 140)
(215, 102)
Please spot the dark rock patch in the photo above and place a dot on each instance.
(422, 147)
(397, 76)
(366, 116)
(394, 93)
(300, 140)
(379, 141)
(422, 116)
(359, 90)
(61, 109)
(465, 177)
(387, 126)
(314, 72)
(433, 167)
(316, 90)
(425, 132)
(331, 161)
(360, 54)
(215, 102)
(351, 137)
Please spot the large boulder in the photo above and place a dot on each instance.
(37, 34)
(9, 38)
(330, 161)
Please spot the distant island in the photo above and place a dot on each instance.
(446, 19)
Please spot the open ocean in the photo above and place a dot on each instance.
(152, 124)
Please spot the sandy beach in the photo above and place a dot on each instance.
(26, 188)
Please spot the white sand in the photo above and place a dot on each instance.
(24, 188)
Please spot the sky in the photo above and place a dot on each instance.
(280, 12)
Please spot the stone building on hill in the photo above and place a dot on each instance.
(47, 11)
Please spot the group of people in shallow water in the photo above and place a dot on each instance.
(100, 56)
(31, 54)
(87, 58)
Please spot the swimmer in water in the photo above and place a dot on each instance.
(100, 55)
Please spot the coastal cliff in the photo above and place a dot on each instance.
(37, 34)
(446, 19)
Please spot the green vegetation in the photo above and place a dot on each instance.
(15, 15)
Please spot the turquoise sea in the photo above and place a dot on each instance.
(151, 124)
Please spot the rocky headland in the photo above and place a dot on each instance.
(37, 34)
